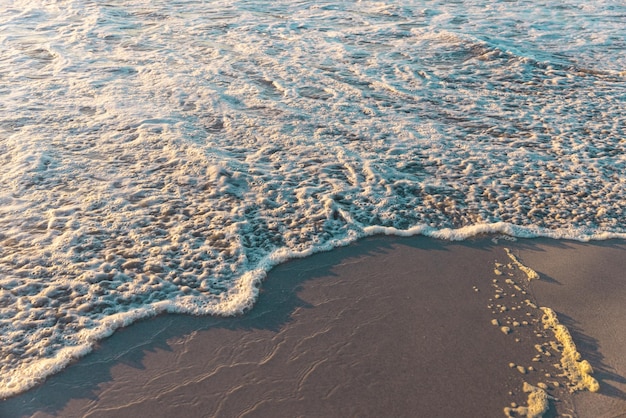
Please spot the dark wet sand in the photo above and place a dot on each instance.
(586, 285)
(387, 327)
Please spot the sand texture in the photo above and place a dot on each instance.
(402, 327)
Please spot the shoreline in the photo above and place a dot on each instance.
(395, 323)
(242, 297)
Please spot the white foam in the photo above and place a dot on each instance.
(140, 176)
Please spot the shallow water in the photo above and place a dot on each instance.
(162, 156)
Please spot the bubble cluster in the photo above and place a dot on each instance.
(163, 156)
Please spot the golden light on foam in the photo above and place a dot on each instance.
(538, 403)
(576, 370)
(530, 273)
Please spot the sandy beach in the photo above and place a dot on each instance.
(402, 327)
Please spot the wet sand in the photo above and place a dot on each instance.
(399, 327)
(586, 285)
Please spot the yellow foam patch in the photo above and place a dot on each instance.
(530, 273)
(538, 404)
(576, 370)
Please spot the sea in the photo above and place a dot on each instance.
(163, 155)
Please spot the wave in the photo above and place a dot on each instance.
(143, 177)
(243, 294)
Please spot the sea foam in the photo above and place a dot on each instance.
(163, 157)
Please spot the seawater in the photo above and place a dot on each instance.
(162, 156)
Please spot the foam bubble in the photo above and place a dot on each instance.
(142, 177)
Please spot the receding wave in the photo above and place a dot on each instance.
(163, 158)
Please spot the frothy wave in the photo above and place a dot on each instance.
(164, 158)
(239, 298)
